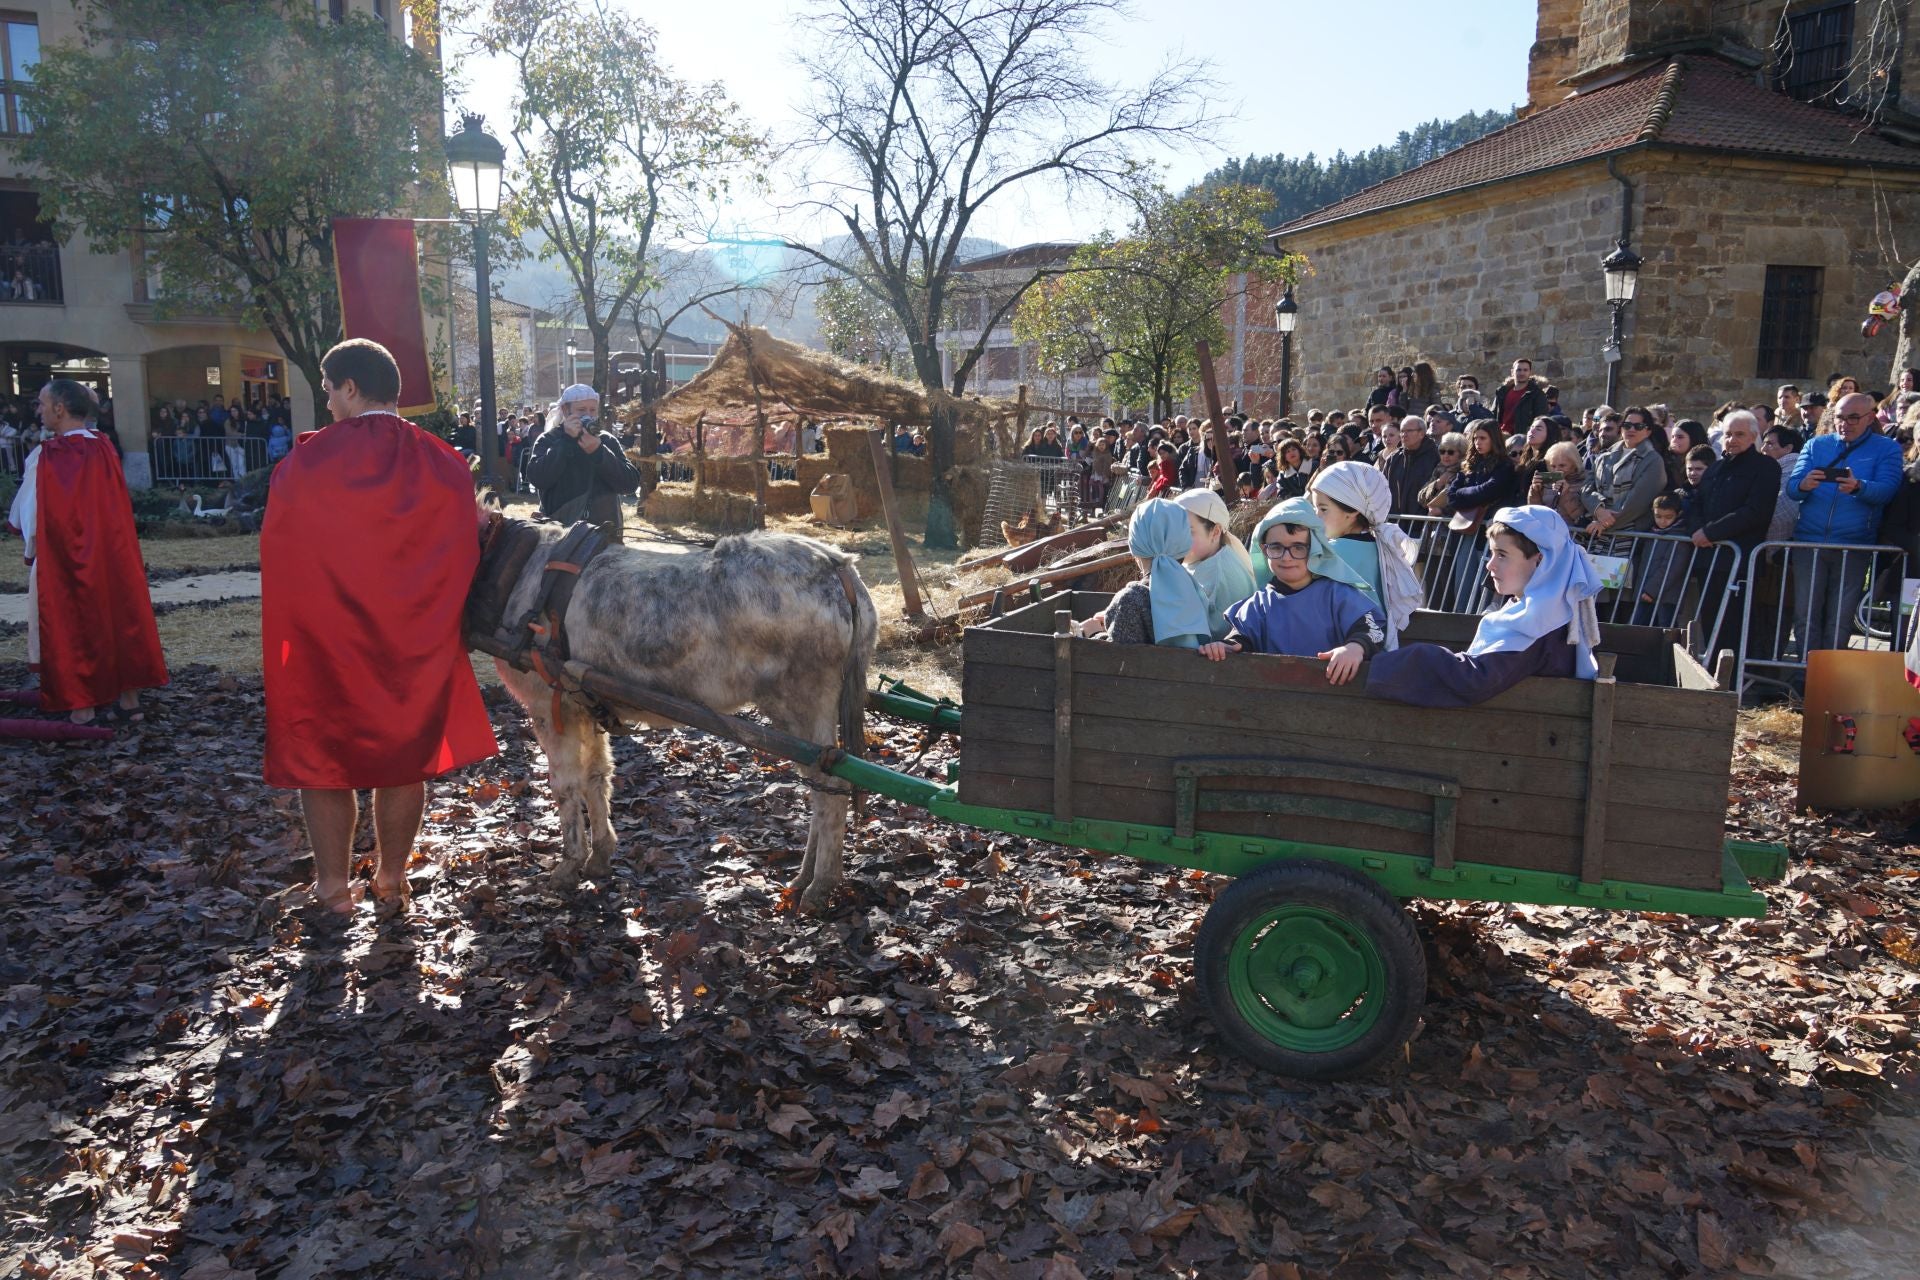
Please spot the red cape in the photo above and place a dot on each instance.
(369, 548)
(97, 635)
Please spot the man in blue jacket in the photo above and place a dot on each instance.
(1842, 482)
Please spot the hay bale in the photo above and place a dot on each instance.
(789, 498)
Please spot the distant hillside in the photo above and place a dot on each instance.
(1300, 186)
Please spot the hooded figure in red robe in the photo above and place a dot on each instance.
(90, 629)
(369, 548)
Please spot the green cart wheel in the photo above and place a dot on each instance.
(1310, 970)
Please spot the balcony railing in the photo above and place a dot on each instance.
(30, 273)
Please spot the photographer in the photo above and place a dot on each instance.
(579, 471)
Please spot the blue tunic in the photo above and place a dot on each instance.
(1363, 554)
(1320, 616)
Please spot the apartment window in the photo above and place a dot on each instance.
(19, 52)
(334, 9)
(1789, 323)
(1813, 54)
(380, 10)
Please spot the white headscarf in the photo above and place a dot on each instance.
(1225, 577)
(578, 391)
(1559, 594)
(1363, 488)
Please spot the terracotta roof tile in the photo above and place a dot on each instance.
(1690, 101)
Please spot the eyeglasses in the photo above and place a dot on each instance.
(1636, 426)
(1449, 453)
(1857, 417)
(1280, 551)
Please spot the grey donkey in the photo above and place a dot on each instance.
(766, 619)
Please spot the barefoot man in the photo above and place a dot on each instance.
(369, 547)
(90, 628)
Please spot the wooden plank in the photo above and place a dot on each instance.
(902, 558)
(1036, 617)
(1335, 718)
(1650, 782)
(1689, 673)
(1698, 868)
(1561, 817)
(1062, 695)
(1056, 574)
(1593, 838)
(1262, 673)
(1032, 649)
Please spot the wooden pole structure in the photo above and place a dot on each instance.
(902, 558)
(1222, 444)
(699, 456)
(1042, 579)
(1020, 421)
(759, 442)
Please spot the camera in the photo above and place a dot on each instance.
(587, 422)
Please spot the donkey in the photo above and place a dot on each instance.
(778, 621)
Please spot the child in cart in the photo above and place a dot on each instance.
(1312, 606)
(1546, 628)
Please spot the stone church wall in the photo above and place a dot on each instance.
(1471, 281)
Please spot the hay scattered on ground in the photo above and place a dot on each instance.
(1770, 738)
(200, 554)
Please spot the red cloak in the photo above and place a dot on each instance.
(97, 634)
(369, 548)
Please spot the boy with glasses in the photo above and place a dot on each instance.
(1312, 605)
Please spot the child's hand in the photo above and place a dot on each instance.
(1342, 662)
(1215, 651)
(1645, 598)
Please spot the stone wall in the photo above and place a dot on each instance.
(1467, 284)
(1471, 281)
(1555, 54)
(1711, 230)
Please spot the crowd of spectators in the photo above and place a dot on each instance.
(217, 440)
(1838, 468)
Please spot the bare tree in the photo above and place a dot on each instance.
(927, 113)
(615, 154)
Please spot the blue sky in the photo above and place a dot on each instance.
(1295, 77)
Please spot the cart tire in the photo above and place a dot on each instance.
(1310, 970)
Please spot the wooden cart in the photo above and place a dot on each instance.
(1330, 807)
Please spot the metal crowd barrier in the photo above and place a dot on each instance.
(1801, 596)
(1452, 564)
(204, 459)
(1691, 586)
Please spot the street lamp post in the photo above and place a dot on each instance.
(573, 363)
(475, 160)
(1622, 271)
(1286, 313)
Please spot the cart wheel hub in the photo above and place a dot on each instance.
(1310, 974)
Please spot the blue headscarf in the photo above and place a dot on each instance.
(1159, 533)
(1559, 594)
(1322, 560)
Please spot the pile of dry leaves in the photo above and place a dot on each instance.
(985, 1061)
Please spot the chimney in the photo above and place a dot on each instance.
(1555, 54)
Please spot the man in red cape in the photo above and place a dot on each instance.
(369, 547)
(90, 629)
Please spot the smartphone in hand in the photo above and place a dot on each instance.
(1837, 474)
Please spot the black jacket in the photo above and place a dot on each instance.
(1533, 404)
(1407, 472)
(1736, 499)
(562, 473)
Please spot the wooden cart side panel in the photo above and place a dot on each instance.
(1335, 713)
(1647, 864)
(1651, 705)
(1650, 784)
(1558, 817)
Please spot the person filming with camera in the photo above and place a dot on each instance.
(580, 471)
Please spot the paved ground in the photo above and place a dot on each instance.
(206, 586)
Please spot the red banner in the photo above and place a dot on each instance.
(379, 270)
